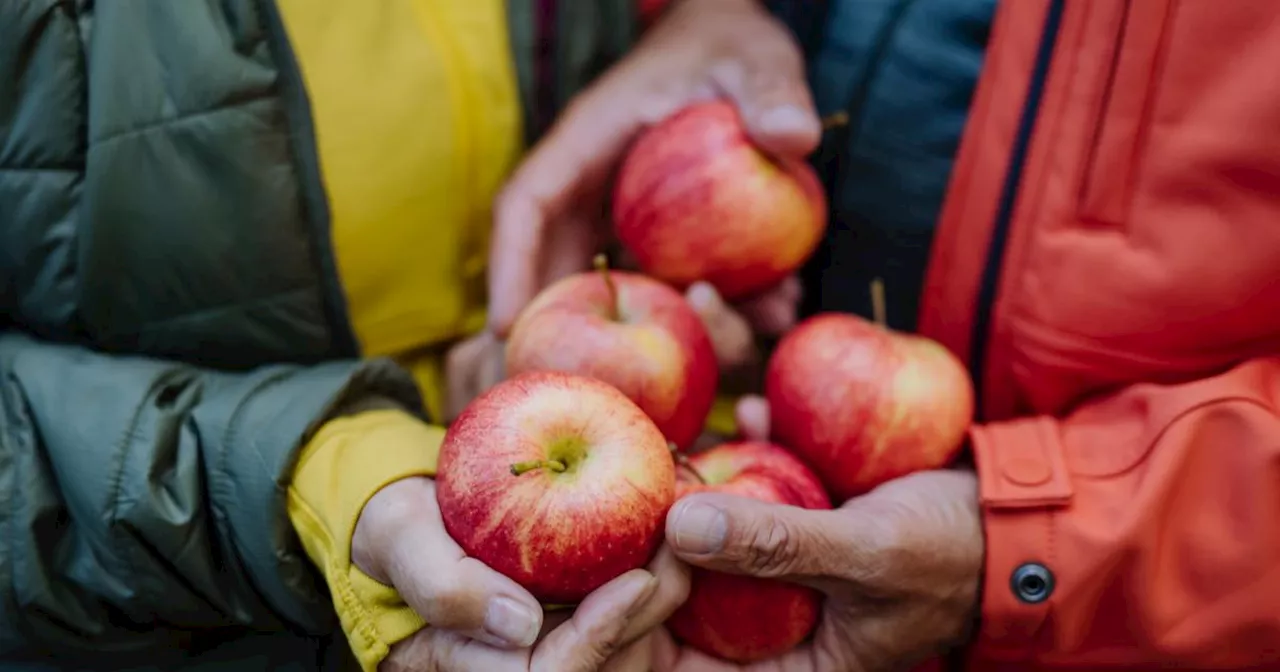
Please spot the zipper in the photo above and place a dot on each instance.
(991, 273)
(827, 159)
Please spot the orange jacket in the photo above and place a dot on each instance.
(1109, 262)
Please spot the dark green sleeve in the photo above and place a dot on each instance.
(141, 496)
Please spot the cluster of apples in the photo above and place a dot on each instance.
(561, 477)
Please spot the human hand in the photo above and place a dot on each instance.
(549, 218)
(735, 329)
(482, 620)
(899, 567)
(471, 366)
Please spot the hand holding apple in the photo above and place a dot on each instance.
(781, 615)
(556, 481)
(696, 199)
(899, 569)
(481, 620)
(553, 204)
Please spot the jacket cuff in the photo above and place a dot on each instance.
(1023, 481)
(347, 462)
(267, 417)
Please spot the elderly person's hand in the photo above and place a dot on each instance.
(899, 567)
(481, 620)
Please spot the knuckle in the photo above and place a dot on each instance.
(636, 657)
(416, 653)
(770, 80)
(674, 592)
(728, 69)
(448, 606)
(598, 653)
(771, 549)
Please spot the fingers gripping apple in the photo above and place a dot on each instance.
(744, 618)
(697, 200)
(557, 481)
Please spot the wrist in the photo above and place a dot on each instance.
(391, 509)
(350, 460)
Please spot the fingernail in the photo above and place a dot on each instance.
(700, 529)
(511, 621)
(701, 296)
(785, 119)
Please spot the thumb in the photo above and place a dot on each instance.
(772, 96)
(468, 597)
(452, 591)
(597, 626)
(740, 535)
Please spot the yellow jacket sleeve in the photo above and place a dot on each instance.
(345, 463)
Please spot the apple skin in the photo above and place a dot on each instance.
(650, 10)
(863, 405)
(696, 200)
(657, 353)
(745, 619)
(559, 535)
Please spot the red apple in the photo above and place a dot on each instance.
(630, 331)
(650, 10)
(696, 200)
(557, 481)
(743, 618)
(863, 404)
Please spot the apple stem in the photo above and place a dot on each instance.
(682, 461)
(877, 303)
(602, 265)
(521, 467)
(835, 120)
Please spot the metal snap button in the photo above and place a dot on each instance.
(1032, 583)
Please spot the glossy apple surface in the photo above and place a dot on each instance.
(639, 335)
(863, 405)
(742, 618)
(557, 481)
(696, 200)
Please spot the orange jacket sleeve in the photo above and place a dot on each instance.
(1143, 528)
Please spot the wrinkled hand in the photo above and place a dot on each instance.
(549, 218)
(899, 567)
(480, 619)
